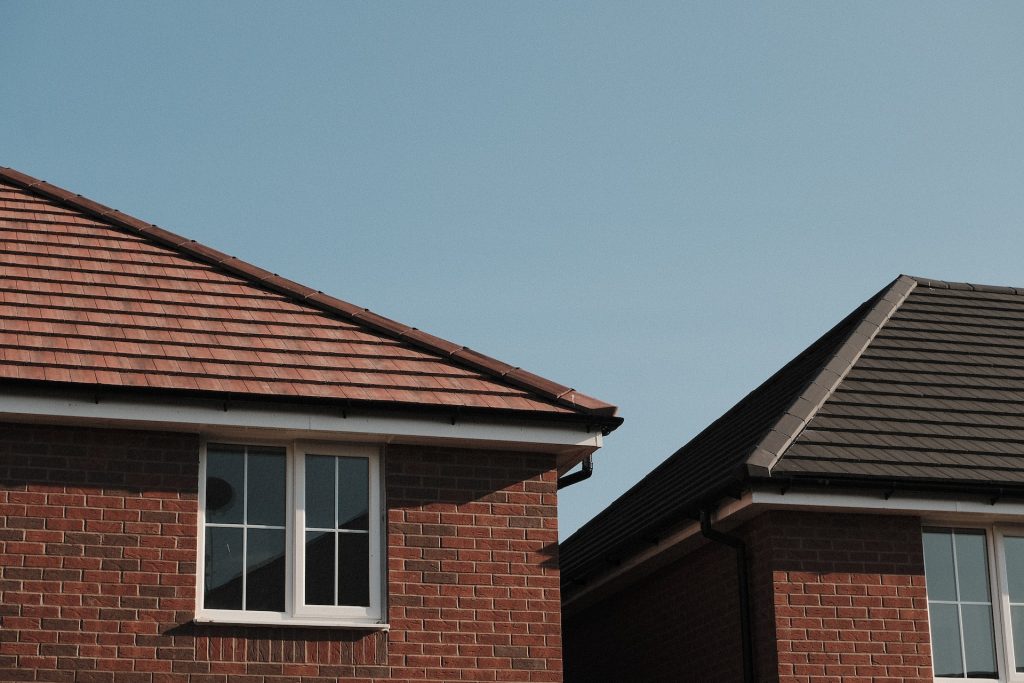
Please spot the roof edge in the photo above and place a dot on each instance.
(964, 286)
(557, 393)
(786, 429)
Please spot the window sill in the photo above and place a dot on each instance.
(282, 622)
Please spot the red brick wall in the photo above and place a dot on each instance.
(849, 596)
(97, 570)
(836, 598)
(473, 546)
(679, 624)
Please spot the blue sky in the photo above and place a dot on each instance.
(656, 203)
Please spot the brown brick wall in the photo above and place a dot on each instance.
(679, 624)
(837, 598)
(97, 570)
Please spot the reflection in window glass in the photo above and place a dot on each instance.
(244, 567)
(959, 603)
(337, 531)
(320, 567)
(353, 493)
(223, 585)
(264, 570)
(320, 490)
(225, 475)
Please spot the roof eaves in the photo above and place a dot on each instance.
(552, 391)
(774, 444)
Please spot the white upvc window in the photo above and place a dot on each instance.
(975, 585)
(290, 534)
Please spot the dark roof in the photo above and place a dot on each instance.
(922, 385)
(92, 296)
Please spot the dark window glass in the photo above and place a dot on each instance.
(1015, 568)
(959, 603)
(972, 566)
(265, 570)
(1017, 619)
(225, 471)
(979, 641)
(223, 572)
(267, 479)
(320, 567)
(938, 562)
(353, 493)
(320, 482)
(353, 569)
(947, 657)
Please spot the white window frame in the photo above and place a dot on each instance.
(296, 613)
(1001, 627)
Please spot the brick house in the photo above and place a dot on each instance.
(857, 517)
(209, 473)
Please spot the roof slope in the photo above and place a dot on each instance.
(923, 385)
(91, 296)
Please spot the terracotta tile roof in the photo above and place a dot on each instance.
(921, 387)
(89, 295)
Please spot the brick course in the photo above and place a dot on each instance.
(836, 598)
(679, 624)
(849, 597)
(98, 534)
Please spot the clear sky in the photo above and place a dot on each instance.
(656, 203)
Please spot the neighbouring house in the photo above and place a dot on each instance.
(212, 474)
(858, 517)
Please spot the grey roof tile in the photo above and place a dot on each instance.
(923, 384)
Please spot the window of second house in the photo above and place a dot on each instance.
(975, 585)
(291, 534)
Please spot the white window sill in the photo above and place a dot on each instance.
(284, 622)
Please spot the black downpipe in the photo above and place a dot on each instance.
(746, 636)
(576, 477)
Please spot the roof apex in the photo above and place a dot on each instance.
(768, 451)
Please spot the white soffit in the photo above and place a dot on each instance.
(279, 420)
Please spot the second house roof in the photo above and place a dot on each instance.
(922, 386)
(92, 296)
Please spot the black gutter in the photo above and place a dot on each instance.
(746, 635)
(578, 476)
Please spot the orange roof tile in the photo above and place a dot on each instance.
(89, 295)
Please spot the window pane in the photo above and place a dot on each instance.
(946, 654)
(266, 486)
(224, 472)
(978, 641)
(938, 564)
(354, 569)
(1017, 619)
(264, 566)
(320, 493)
(353, 492)
(320, 567)
(223, 571)
(1015, 568)
(972, 566)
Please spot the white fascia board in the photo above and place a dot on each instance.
(898, 503)
(289, 421)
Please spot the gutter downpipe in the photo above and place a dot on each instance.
(746, 636)
(576, 477)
